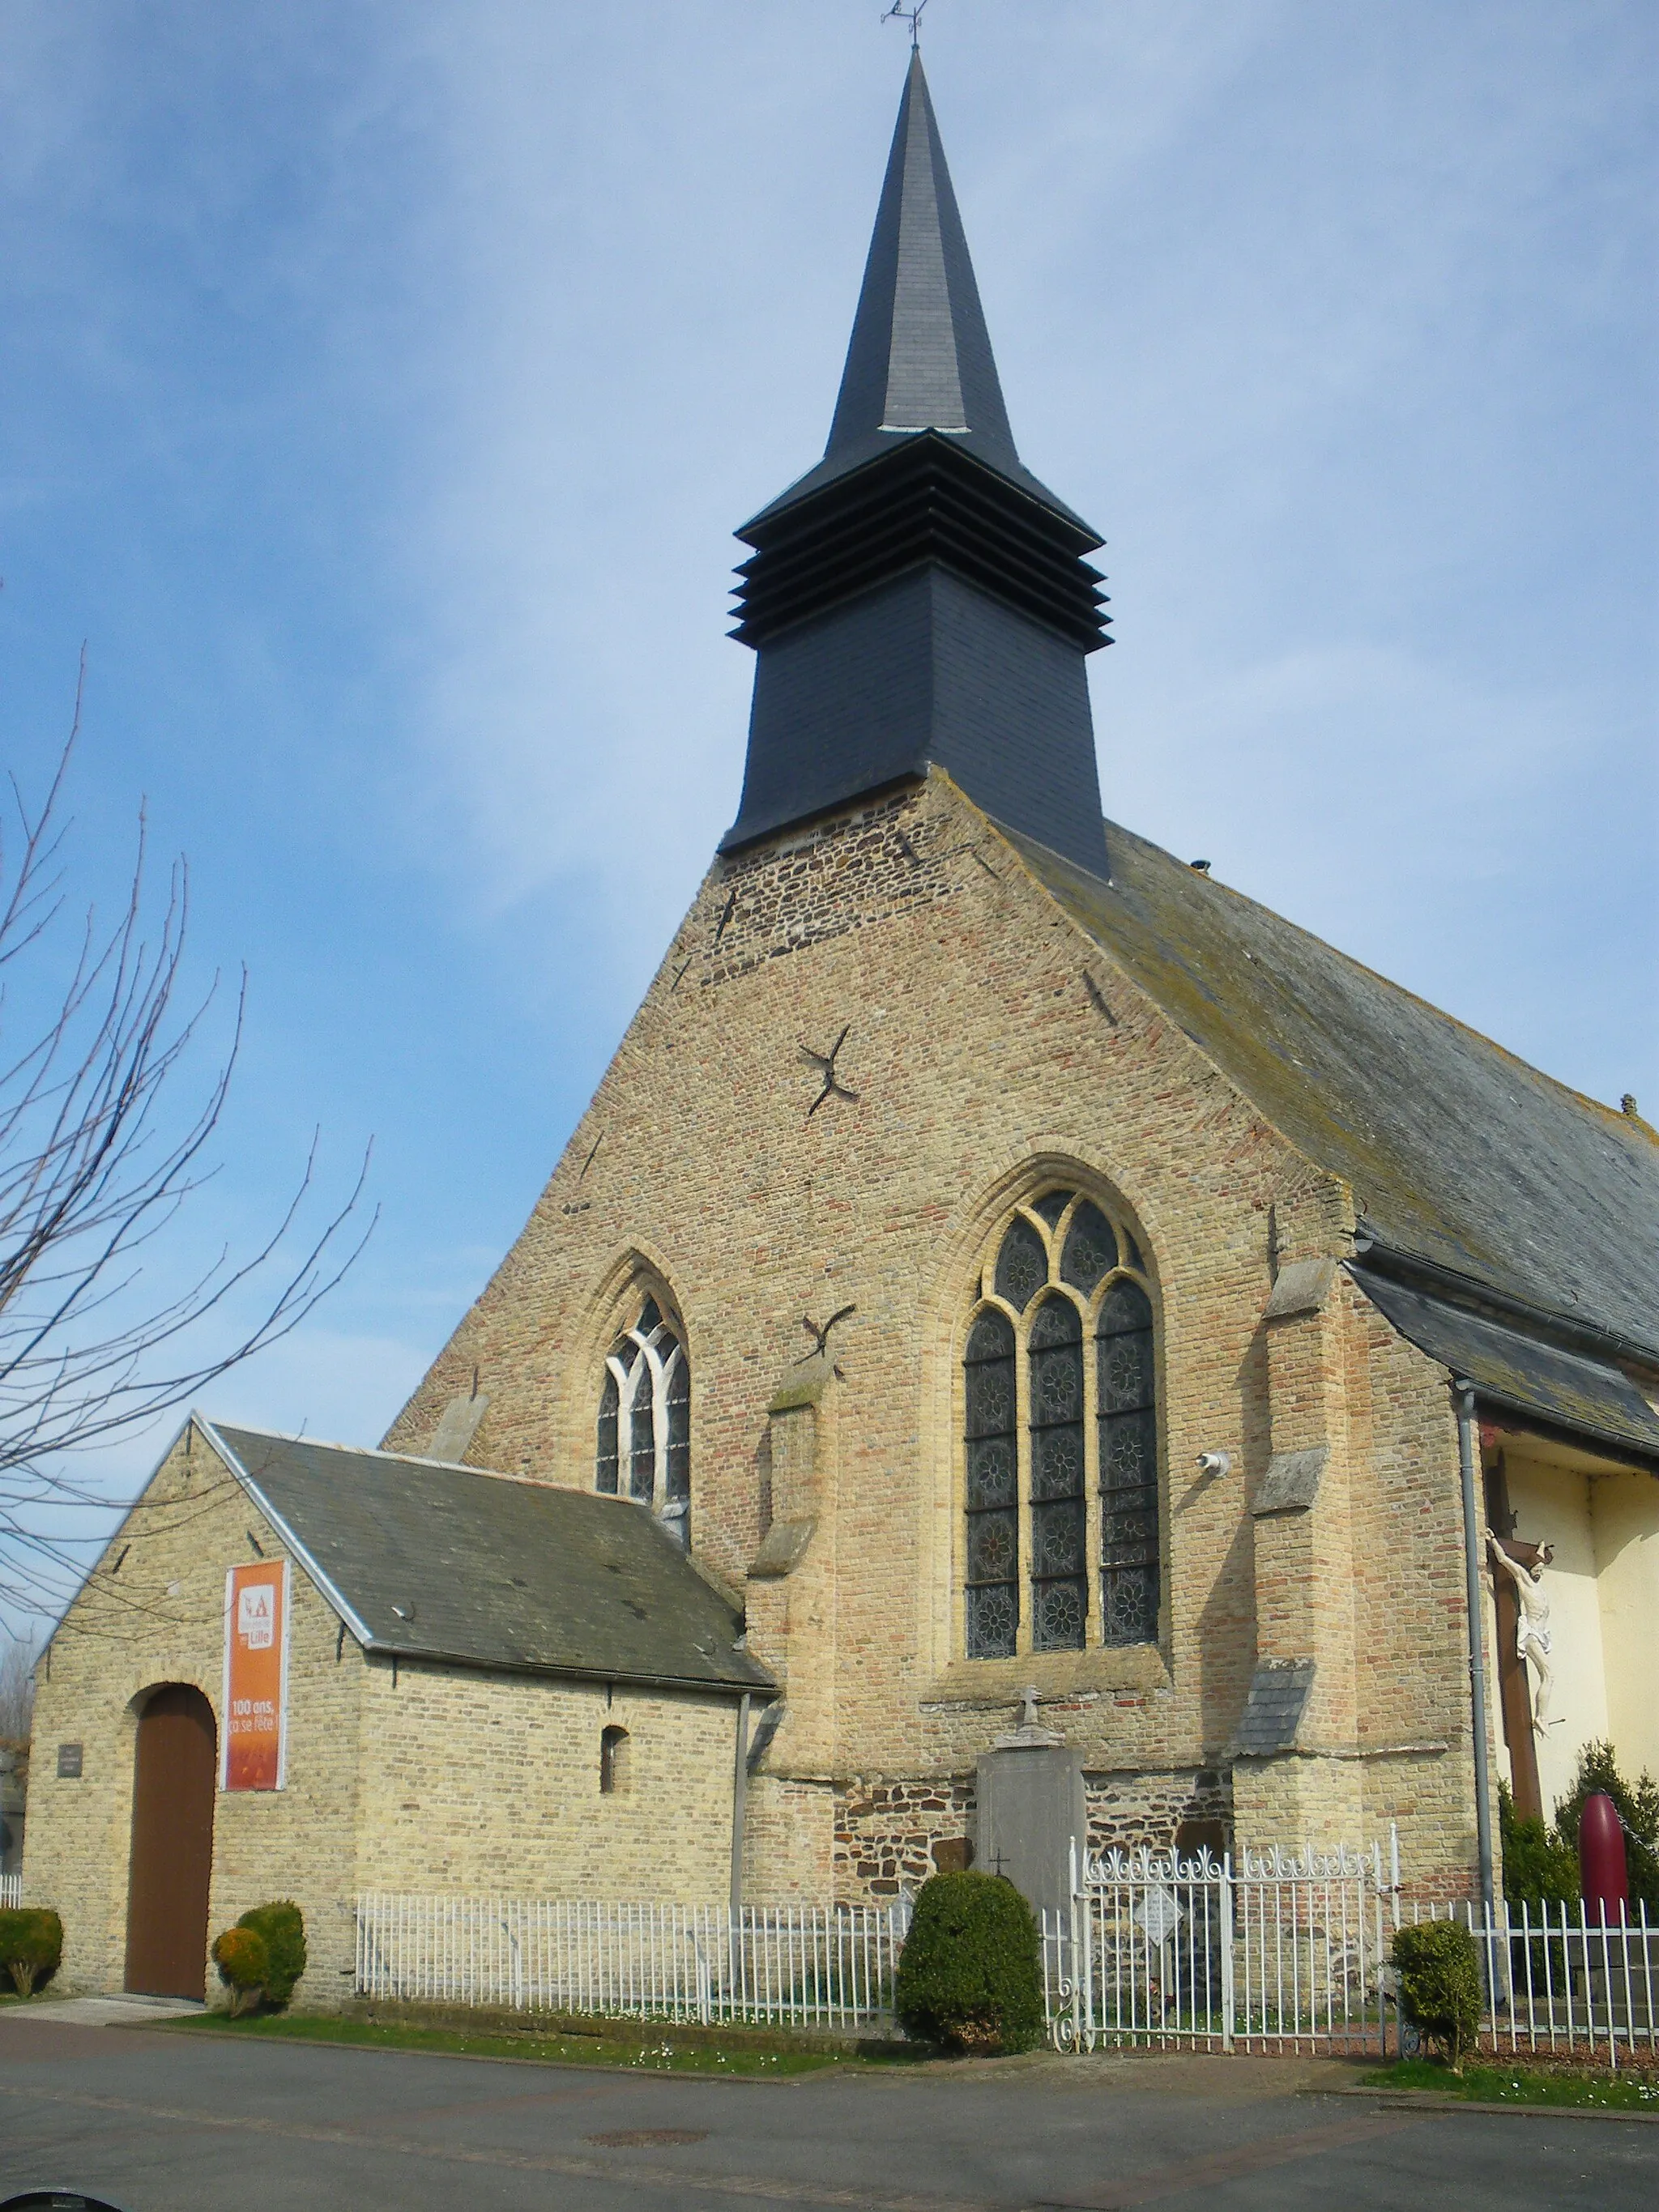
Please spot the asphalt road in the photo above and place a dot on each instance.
(158, 2121)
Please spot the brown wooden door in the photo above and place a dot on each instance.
(172, 1791)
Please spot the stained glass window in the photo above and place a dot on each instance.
(610, 1404)
(644, 1441)
(1022, 1264)
(1059, 1587)
(1128, 1466)
(1060, 1276)
(1091, 1248)
(993, 1502)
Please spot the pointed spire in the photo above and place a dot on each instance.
(919, 600)
(920, 355)
(919, 358)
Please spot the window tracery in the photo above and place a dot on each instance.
(643, 1447)
(1060, 1505)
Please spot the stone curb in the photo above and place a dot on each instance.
(1428, 2100)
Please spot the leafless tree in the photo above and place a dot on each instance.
(104, 1135)
(16, 1693)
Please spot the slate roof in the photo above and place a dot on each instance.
(1273, 1709)
(491, 1571)
(919, 357)
(1459, 1155)
(1513, 1371)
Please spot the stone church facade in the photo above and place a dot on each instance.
(1000, 1256)
(1153, 1233)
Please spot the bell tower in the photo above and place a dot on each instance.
(920, 596)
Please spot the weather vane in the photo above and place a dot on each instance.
(911, 15)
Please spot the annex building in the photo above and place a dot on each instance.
(999, 1254)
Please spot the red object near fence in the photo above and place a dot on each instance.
(1603, 1881)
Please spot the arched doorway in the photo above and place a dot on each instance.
(174, 1777)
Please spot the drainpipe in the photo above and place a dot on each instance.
(740, 1802)
(1463, 1391)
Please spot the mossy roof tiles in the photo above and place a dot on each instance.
(1456, 1152)
(450, 1562)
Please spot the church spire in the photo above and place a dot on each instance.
(920, 596)
(920, 354)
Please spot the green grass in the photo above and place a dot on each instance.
(1509, 2084)
(651, 2048)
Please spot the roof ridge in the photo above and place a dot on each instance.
(405, 1459)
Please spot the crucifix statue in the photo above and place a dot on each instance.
(1532, 1627)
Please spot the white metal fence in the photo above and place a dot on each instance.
(799, 1966)
(11, 1891)
(1555, 1978)
(1281, 1950)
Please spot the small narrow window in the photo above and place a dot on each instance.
(613, 1763)
(1060, 1585)
(609, 1405)
(1128, 1466)
(993, 1497)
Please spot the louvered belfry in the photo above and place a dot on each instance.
(920, 596)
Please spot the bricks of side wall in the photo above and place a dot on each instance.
(489, 1784)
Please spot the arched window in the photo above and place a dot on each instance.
(1060, 1507)
(644, 1448)
(613, 1763)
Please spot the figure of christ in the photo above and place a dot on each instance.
(1532, 1627)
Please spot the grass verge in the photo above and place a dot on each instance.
(650, 2049)
(1509, 2084)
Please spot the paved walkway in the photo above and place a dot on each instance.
(108, 2012)
(159, 2121)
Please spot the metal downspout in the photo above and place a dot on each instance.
(1463, 1391)
(739, 1805)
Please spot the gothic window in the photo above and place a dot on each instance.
(644, 1438)
(1060, 1412)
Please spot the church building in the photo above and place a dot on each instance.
(999, 1257)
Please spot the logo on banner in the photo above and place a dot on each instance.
(255, 1617)
(256, 1676)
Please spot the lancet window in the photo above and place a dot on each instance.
(1060, 1535)
(644, 1449)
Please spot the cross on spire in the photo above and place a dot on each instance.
(912, 16)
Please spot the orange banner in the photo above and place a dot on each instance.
(255, 1732)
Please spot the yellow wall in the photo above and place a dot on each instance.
(1603, 1590)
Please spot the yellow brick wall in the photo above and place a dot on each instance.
(490, 1785)
(159, 1619)
(444, 1779)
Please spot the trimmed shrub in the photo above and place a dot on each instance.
(282, 1927)
(1439, 1969)
(971, 1973)
(1538, 1869)
(243, 1962)
(31, 1945)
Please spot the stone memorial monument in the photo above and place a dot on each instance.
(1031, 1806)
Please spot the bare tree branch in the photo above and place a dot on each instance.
(96, 1163)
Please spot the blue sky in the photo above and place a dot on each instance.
(382, 382)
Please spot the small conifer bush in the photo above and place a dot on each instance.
(1439, 1969)
(970, 1974)
(243, 1962)
(31, 1945)
(282, 1927)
